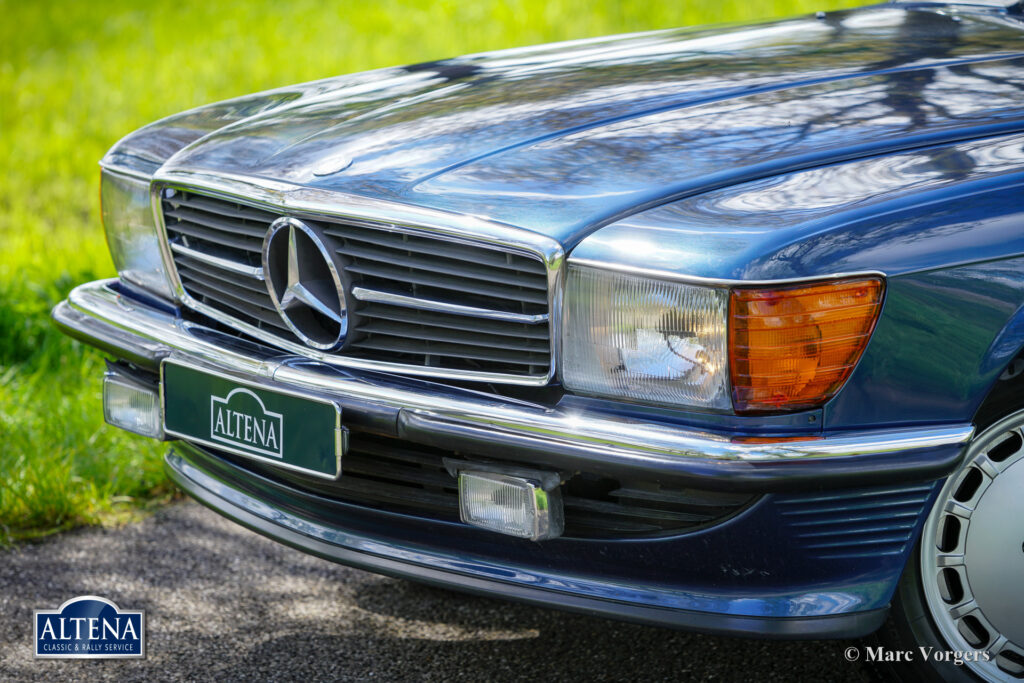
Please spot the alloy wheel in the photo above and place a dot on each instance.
(972, 553)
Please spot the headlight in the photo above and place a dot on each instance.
(751, 349)
(131, 232)
(654, 341)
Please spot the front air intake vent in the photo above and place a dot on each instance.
(862, 523)
(399, 476)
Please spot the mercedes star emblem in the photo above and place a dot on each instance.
(304, 283)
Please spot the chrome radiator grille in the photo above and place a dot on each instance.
(415, 300)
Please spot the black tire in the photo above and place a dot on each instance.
(908, 628)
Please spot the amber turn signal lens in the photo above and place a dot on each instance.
(794, 347)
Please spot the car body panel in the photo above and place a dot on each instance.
(938, 206)
(563, 139)
(395, 546)
(944, 339)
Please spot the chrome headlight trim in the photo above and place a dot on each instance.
(672, 278)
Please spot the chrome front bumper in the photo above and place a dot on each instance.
(103, 315)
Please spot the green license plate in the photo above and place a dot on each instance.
(289, 430)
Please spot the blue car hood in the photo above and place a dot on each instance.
(562, 139)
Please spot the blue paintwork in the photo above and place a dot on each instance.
(892, 213)
(778, 558)
(563, 139)
(943, 222)
(884, 139)
(943, 339)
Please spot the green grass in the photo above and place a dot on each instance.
(75, 76)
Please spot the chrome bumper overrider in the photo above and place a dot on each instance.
(455, 418)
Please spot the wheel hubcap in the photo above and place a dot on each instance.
(972, 553)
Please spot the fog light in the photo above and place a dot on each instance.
(510, 505)
(132, 407)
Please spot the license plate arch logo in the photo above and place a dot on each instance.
(260, 431)
(289, 429)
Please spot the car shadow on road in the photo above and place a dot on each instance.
(225, 604)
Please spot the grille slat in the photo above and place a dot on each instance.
(221, 208)
(860, 531)
(869, 516)
(221, 299)
(608, 508)
(510, 312)
(209, 221)
(597, 527)
(228, 264)
(402, 474)
(424, 277)
(412, 316)
(218, 237)
(865, 505)
(444, 266)
(409, 243)
(441, 334)
(453, 306)
(215, 277)
(865, 523)
(896, 539)
(225, 293)
(394, 450)
(399, 345)
(695, 499)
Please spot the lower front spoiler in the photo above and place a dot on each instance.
(343, 547)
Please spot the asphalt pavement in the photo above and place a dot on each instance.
(225, 604)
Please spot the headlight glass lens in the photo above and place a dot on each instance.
(626, 336)
(131, 232)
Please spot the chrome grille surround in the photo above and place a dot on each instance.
(337, 212)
